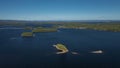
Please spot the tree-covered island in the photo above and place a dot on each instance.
(41, 29)
(27, 34)
(62, 48)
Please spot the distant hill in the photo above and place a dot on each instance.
(58, 21)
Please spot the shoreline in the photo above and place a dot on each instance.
(11, 28)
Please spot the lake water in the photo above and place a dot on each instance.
(38, 52)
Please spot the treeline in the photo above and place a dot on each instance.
(11, 24)
(98, 26)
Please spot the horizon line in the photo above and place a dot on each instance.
(59, 20)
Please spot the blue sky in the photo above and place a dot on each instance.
(60, 9)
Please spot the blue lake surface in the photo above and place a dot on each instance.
(38, 52)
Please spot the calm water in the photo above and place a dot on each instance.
(38, 52)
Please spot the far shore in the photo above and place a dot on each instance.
(11, 28)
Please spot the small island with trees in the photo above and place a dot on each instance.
(37, 30)
(27, 34)
(62, 48)
(41, 29)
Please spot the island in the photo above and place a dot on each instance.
(28, 28)
(41, 29)
(62, 48)
(27, 34)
